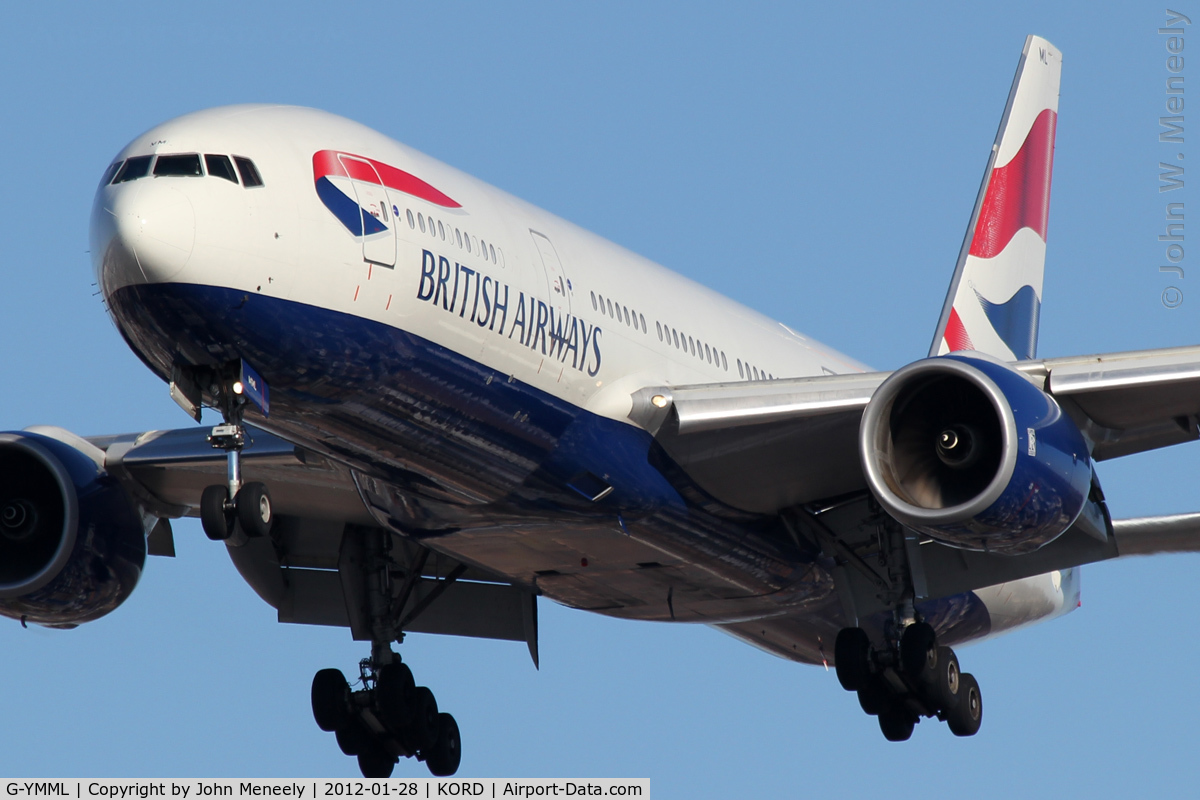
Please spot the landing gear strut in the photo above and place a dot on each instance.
(390, 716)
(905, 674)
(235, 510)
(909, 678)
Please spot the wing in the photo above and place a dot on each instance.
(322, 523)
(764, 446)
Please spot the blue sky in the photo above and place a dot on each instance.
(818, 165)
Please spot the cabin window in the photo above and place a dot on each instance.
(724, 361)
(658, 327)
(610, 310)
(492, 252)
(136, 167)
(411, 222)
(593, 301)
(249, 172)
(186, 165)
(708, 354)
(110, 172)
(441, 230)
(220, 167)
(675, 336)
(739, 363)
(421, 221)
(458, 236)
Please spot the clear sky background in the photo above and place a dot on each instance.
(817, 165)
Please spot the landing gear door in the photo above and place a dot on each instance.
(556, 278)
(379, 225)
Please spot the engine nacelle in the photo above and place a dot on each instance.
(72, 542)
(967, 450)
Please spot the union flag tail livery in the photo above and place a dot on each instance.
(995, 297)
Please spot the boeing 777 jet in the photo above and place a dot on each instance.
(426, 403)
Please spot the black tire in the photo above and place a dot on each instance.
(918, 650)
(874, 696)
(254, 510)
(897, 724)
(967, 716)
(330, 699)
(375, 763)
(947, 683)
(422, 727)
(852, 658)
(446, 753)
(353, 738)
(213, 516)
(393, 693)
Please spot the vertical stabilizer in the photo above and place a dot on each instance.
(995, 297)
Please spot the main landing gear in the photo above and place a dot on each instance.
(390, 716)
(912, 677)
(234, 511)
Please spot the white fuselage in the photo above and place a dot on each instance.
(508, 289)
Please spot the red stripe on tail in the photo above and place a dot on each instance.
(1018, 195)
(956, 333)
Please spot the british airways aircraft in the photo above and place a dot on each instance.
(435, 403)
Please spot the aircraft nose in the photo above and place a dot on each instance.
(155, 224)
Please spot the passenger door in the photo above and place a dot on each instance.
(379, 224)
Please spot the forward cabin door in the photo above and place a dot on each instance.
(379, 223)
(556, 277)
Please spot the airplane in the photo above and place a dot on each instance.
(437, 403)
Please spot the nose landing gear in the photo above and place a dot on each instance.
(234, 511)
(910, 678)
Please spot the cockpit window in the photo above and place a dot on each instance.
(250, 176)
(187, 165)
(108, 173)
(220, 167)
(136, 167)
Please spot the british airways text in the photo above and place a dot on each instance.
(538, 326)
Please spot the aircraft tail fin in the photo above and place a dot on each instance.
(994, 300)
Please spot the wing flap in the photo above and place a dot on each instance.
(762, 446)
(1130, 402)
(1144, 536)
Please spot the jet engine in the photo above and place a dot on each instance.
(72, 542)
(967, 450)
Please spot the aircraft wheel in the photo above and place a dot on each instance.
(375, 763)
(918, 653)
(967, 716)
(254, 509)
(874, 696)
(896, 723)
(330, 699)
(213, 517)
(851, 657)
(353, 738)
(393, 691)
(443, 758)
(423, 718)
(947, 680)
